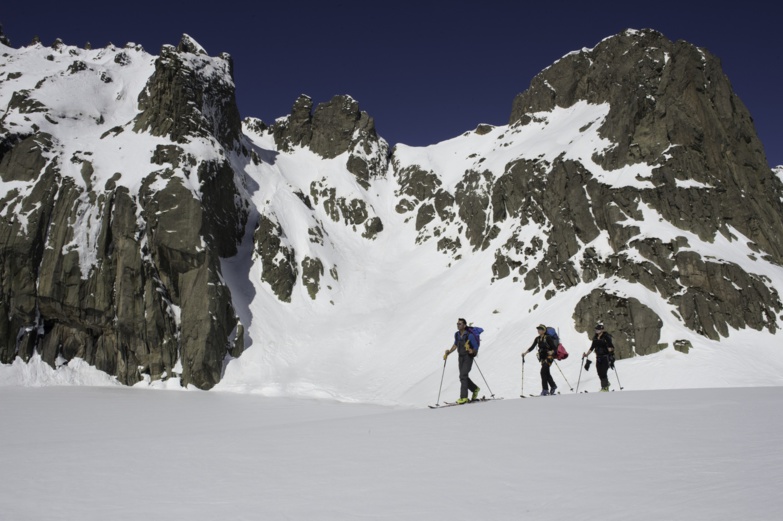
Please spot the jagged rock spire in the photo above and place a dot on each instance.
(3, 38)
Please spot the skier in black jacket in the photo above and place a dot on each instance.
(604, 355)
(546, 355)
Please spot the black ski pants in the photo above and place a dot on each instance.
(547, 382)
(466, 384)
(602, 366)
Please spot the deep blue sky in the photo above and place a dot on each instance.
(426, 71)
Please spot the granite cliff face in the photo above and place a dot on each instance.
(670, 107)
(619, 169)
(115, 259)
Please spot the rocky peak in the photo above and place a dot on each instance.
(671, 106)
(117, 261)
(3, 38)
(188, 44)
(190, 94)
(335, 127)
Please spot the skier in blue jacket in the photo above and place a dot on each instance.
(465, 343)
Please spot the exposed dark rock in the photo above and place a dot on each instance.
(635, 328)
(721, 295)
(3, 38)
(255, 125)
(122, 58)
(21, 250)
(21, 101)
(683, 346)
(353, 212)
(189, 95)
(472, 198)
(77, 66)
(224, 218)
(483, 129)
(424, 216)
(278, 263)
(312, 271)
(23, 158)
(664, 93)
(334, 128)
(239, 341)
(296, 129)
(372, 227)
(417, 184)
(130, 283)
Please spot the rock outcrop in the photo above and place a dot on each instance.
(334, 128)
(671, 107)
(118, 263)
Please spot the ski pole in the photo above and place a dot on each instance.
(581, 365)
(441, 381)
(482, 376)
(522, 385)
(618, 376)
(564, 377)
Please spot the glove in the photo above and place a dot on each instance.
(611, 362)
(588, 362)
(446, 355)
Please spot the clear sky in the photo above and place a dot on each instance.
(426, 71)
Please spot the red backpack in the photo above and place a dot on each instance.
(560, 352)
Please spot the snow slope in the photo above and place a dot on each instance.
(122, 454)
(377, 333)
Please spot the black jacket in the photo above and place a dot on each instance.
(601, 345)
(545, 344)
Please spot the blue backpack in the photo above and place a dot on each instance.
(476, 332)
(550, 331)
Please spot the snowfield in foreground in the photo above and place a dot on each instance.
(97, 453)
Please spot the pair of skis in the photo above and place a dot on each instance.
(452, 404)
(536, 395)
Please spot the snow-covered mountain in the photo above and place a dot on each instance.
(151, 233)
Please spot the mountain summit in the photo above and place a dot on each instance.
(150, 232)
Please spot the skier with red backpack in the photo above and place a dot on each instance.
(466, 342)
(547, 348)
